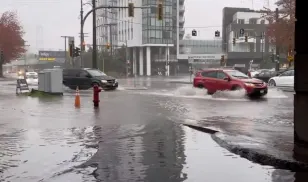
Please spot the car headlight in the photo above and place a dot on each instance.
(249, 84)
(104, 81)
(115, 80)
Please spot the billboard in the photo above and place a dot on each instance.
(52, 56)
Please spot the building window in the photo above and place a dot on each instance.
(252, 21)
(241, 21)
(153, 10)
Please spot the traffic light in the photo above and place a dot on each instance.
(233, 41)
(107, 46)
(194, 33)
(1, 57)
(76, 52)
(217, 33)
(160, 11)
(71, 49)
(222, 60)
(246, 38)
(131, 9)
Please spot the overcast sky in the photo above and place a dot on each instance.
(45, 21)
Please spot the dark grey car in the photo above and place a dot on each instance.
(86, 78)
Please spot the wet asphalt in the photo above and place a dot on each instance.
(137, 134)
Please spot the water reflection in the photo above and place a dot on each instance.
(152, 152)
(164, 152)
(27, 152)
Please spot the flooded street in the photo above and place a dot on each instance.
(137, 134)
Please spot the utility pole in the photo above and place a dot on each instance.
(277, 44)
(26, 45)
(94, 53)
(82, 48)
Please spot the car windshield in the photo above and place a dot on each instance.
(96, 73)
(236, 74)
(32, 76)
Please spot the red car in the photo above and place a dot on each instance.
(228, 79)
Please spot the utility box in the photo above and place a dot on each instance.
(51, 81)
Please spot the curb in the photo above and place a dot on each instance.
(253, 155)
(202, 129)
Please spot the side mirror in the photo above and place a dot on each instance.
(89, 76)
(227, 79)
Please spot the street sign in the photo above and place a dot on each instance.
(290, 58)
(242, 31)
(21, 86)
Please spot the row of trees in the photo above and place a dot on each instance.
(282, 31)
(11, 37)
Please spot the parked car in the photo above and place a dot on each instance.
(228, 79)
(86, 78)
(265, 75)
(285, 79)
(31, 78)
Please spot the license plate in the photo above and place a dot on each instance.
(261, 91)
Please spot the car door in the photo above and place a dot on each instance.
(289, 80)
(222, 83)
(69, 77)
(210, 80)
(282, 80)
(83, 80)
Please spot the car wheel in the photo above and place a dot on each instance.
(272, 83)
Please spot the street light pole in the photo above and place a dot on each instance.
(81, 35)
(94, 53)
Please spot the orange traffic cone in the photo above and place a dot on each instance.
(77, 98)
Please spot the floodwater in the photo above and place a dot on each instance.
(137, 135)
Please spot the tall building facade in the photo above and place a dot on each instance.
(107, 23)
(150, 42)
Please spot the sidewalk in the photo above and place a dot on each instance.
(272, 146)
